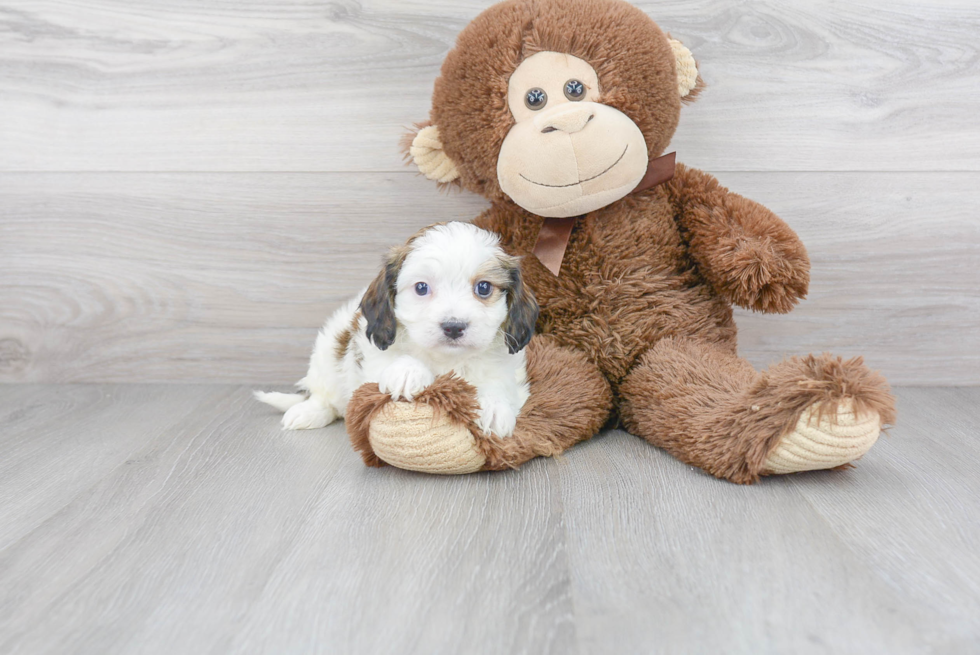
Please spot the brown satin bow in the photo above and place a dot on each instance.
(555, 232)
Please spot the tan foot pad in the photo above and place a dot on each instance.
(824, 443)
(408, 436)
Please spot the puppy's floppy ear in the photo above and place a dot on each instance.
(378, 303)
(522, 308)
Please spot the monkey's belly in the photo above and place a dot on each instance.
(616, 321)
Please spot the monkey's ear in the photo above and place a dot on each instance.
(689, 82)
(378, 303)
(522, 310)
(425, 150)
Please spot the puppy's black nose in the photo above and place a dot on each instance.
(454, 329)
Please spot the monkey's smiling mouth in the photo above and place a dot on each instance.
(565, 186)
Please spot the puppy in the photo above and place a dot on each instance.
(449, 300)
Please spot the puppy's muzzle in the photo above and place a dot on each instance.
(453, 329)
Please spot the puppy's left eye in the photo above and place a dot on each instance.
(483, 289)
(421, 288)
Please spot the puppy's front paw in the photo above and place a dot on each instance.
(497, 416)
(406, 378)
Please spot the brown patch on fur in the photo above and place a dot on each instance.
(710, 408)
(496, 271)
(343, 343)
(492, 298)
(344, 339)
(355, 326)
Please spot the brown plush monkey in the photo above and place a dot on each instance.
(558, 112)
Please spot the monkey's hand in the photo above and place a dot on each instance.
(746, 252)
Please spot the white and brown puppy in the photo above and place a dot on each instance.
(450, 300)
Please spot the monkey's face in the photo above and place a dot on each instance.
(558, 106)
(567, 153)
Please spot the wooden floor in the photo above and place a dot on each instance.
(179, 519)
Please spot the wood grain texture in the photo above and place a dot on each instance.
(215, 278)
(876, 559)
(224, 535)
(256, 85)
(108, 427)
(204, 529)
(899, 496)
(226, 277)
(662, 544)
(895, 272)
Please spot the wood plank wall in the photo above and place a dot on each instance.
(188, 188)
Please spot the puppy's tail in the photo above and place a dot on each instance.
(281, 401)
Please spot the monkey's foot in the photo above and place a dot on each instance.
(411, 436)
(433, 434)
(825, 439)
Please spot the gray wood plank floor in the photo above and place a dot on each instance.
(179, 519)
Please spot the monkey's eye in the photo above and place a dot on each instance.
(421, 288)
(574, 90)
(536, 99)
(483, 289)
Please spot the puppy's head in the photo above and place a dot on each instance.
(454, 290)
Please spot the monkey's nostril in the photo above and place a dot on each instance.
(591, 116)
(549, 129)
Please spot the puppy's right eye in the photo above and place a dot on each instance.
(421, 288)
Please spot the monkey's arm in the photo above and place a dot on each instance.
(746, 252)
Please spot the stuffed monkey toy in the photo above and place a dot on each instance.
(559, 113)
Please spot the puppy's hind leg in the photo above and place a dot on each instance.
(312, 413)
(324, 379)
(321, 399)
